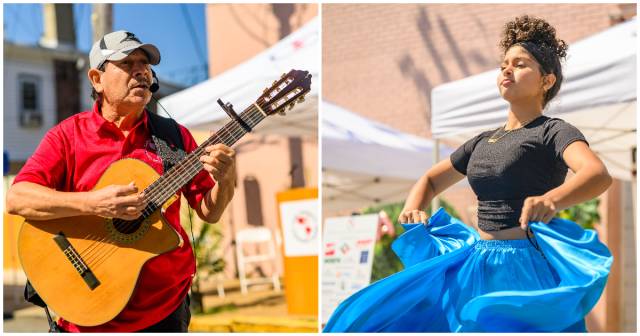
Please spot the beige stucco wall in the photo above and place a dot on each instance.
(236, 33)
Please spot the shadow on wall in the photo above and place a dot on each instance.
(285, 14)
(253, 201)
(419, 76)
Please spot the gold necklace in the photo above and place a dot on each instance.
(492, 138)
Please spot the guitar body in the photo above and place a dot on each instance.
(85, 268)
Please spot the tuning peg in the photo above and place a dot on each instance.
(265, 90)
(283, 74)
(291, 106)
(282, 113)
(301, 99)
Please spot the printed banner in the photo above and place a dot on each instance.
(347, 258)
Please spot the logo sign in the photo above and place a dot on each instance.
(300, 227)
(304, 226)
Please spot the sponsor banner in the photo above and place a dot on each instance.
(347, 258)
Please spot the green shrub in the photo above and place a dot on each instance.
(385, 262)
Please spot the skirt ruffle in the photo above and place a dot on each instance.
(453, 281)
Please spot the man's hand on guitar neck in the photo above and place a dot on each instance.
(219, 163)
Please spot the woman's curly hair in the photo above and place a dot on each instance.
(538, 37)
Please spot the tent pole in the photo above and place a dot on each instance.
(435, 202)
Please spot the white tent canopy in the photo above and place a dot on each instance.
(196, 107)
(598, 96)
(366, 163)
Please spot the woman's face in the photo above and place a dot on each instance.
(520, 78)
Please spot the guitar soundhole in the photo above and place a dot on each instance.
(127, 227)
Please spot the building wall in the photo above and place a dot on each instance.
(19, 141)
(237, 32)
(22, 142)
(383, 60)
(264, 160)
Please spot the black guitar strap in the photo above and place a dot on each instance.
(167, 138)
(30, 295)
(166, 135)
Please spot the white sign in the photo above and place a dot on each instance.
(347, 258)
(300, 227)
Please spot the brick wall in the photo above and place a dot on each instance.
(382, 60)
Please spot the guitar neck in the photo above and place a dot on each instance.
(168, 184)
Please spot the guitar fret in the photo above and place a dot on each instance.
(169, 183)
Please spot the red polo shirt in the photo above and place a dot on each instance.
(72, 157)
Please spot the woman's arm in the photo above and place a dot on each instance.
(433, 182)
(591, 179)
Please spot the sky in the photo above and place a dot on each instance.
(183, 49)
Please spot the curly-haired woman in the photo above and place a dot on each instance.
(523, 270)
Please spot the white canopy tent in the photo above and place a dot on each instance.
(598, 96)
(367, 163)
(196, 107)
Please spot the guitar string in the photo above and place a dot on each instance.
(193, 169)
(163, 196)
(172, 173)
(185, 165)
(189, 166)
(175, 178)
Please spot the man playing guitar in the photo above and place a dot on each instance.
(58, 179)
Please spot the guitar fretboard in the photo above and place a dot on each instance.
(169, 183)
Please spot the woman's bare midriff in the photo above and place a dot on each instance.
(507, 234)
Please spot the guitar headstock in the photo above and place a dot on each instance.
(285, 92)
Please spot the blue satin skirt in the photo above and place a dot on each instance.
(455, 282)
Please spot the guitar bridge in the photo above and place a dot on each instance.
(74, 257)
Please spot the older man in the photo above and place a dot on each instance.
(57, 181)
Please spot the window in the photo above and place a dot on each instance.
(30, 111)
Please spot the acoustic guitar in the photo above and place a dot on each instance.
(86, 267)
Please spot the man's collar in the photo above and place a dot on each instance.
(98, 121)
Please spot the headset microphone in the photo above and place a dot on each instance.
(155, 83)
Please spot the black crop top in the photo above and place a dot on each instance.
(525, 162)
